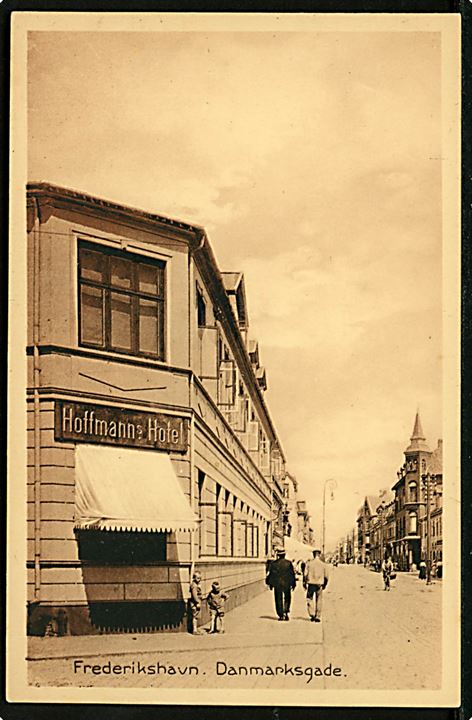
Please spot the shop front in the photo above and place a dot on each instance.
(123, 561)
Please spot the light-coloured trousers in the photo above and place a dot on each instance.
(314, 600)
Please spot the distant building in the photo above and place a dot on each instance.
(351, 547)
(290, 495)
(434, 468)
(382, 528)
(305, 531)
(366, 523)
(410, 510)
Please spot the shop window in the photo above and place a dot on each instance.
(121, 301)
(240, 539)
(207, 509)
(224, 525)
(109, 547)
(250, 539)
(255, 541)
(266, 538)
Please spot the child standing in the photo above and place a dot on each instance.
(195, 601)
(216, 603)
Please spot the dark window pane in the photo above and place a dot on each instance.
(160, 329)
(91, 315)
(121, 321)
(148, 327)
(121, 273)
(120, 316)
(201, 310)
(150, 280)
(92, 266)
(100, 548)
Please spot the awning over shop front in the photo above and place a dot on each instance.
(297, 550)
(128, 489)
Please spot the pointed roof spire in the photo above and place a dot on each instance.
(418, 430)
(418, 440)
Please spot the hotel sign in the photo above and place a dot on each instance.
(78, 422)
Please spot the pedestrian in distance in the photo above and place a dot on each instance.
(315, 581)
(195, 602)
(422, 572)
(216, 601)
(282, 580)
(387, 569)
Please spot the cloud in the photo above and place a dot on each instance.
(300, 299)
(307, 157)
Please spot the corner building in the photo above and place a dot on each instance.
(151, 451)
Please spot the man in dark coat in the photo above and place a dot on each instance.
(281, 579)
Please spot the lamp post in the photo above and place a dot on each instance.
(427, 479)
(382, 532)
(333, 485)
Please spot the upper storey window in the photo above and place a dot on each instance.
(201, 309)
(121, 301)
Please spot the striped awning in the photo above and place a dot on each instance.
(129, 489)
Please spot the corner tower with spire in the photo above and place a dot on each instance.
(409, 507)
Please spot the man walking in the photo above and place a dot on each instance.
(315, 580)
(281, 579)
(387, 569)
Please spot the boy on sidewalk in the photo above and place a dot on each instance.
(195, 602)
(216, 603)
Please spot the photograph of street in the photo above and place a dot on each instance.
(235, 313)
(397, 645)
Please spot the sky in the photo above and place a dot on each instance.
(313, 161)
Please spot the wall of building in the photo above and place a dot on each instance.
(135, 597)
(58, 314)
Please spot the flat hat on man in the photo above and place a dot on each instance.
(280, 551)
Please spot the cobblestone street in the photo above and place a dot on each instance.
(368, 639)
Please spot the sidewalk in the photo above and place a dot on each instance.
(368, 639)
(253, 624)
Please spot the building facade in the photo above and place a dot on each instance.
(382, 532)
(151, 451)
(410, 498)
(305, 532)
(395, 523)
(434, 470)
(366, 522)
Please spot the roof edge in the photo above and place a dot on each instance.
(49, 193)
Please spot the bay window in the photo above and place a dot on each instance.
(121, 301)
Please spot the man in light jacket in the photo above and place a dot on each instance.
(315, 580)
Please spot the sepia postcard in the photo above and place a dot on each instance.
(234, 359)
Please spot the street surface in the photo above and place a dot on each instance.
(368, 639)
